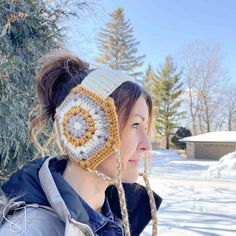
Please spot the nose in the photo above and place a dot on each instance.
(144, 144)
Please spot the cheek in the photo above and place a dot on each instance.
(129, 145)
(108, 166)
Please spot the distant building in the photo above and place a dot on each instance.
(212, 145)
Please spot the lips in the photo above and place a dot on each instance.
(134, 161)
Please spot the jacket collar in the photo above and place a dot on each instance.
(48, 179)
(138, 205)
(71, 204)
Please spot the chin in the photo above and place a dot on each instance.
(130, 178)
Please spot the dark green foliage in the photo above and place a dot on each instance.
(118, 46)
(28, 30)
(151, 85)
(181, 132)
(149, 79)
(166, 91)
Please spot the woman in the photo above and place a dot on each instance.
(103, 121)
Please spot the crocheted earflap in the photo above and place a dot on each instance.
(88, 127)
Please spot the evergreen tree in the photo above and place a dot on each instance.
(118, 46)
(151, 85)
(29, 29)
(166, 92)
(181, 132)
(148, 79)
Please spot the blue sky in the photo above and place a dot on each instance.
(163, 27)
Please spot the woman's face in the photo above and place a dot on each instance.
(134, 142)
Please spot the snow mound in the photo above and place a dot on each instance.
(224, 168)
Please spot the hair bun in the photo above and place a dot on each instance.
(59, 73)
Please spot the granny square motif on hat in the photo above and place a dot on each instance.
(88, 127)
(87, 121)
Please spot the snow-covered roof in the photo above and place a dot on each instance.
(214, 137)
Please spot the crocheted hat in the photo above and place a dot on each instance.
(87, 121)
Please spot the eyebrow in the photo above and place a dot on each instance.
(140, 116)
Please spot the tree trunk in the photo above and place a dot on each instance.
(193, 121)
(229, 121)
(167, 142)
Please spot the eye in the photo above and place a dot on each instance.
(135, 125)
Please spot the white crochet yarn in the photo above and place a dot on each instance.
(104, 81)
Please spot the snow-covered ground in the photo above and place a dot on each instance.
(196, 200)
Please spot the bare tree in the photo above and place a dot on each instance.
(229, 107)
(203, 76)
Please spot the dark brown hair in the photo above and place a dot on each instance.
(59, 73)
